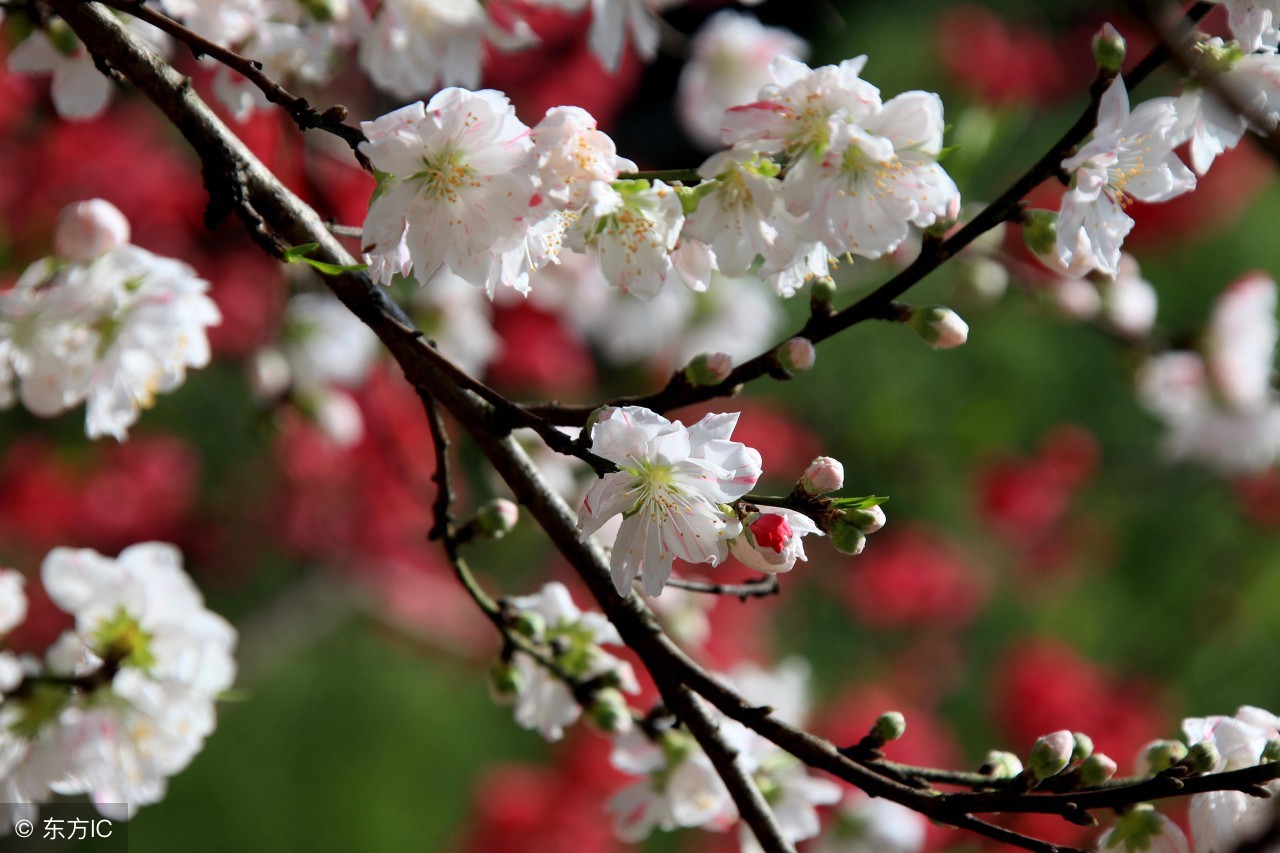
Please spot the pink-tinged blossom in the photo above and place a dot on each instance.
(730, 60)
(461, 182)
(1219, 407)
(1129, 302)
(771, 541)
(679, 787)
(632, 228)
(1222, 820)
(87, 229)
(794, 114)
(674, 481)
(1130, 157)
(571, 153)
(1254, 23)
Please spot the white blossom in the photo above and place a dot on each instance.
(13, 600)
(1222, 820)
(113, 333)
(736, 213)
(325, 343)
(729, 63)
(632, 228)
(867, 825)
(415, 46)
(543, 701)
(1254, 23)
(672, 483)
(1130, 157)
(679, 788)
(460, 187)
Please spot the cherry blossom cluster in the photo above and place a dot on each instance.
(819, 167)
(122, 701)
(543, 699)
(1220, 820)
(674, 493)
(102, 322)
(1131, 155)
(406, 47)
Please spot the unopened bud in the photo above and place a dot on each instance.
(847, 537)
(1096, 769)
(1202, 757)
(505, 681)
(1108, 48)
(797, 355)
(1160, 755)
(1051, 754)
(1083, 747)
(1040, 232)
(709, 368)
(1270, 752)
(497, 518)
(676, 747)
(890, 725)
(88, 229)
(867, 520)
(609, 712)
(822, 290)
(1001, 765)
(529, 623)
(939, 326)
(823, 476)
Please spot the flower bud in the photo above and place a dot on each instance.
(1001, 765)
(823, 476)
(796, 355)
(529, 623)
(1096, 769)
(890, 725)
(1160, 755)
(497, 518)
(709, 368)
(939, 326)
(772, 531)
(1083, 747)
(609, 712)
(1270, 752)
(1051, 754)
(822, 290)
(1040, 232)
(846, 536)
(87, 229)
(1202, 757)
(505, 681)
(867, 520)
(1108, 49)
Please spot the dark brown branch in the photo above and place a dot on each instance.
(877, 304)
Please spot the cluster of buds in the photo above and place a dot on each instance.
(1063, 753)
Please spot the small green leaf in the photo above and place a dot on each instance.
(858, 503)
(298, 255)
(947, 152)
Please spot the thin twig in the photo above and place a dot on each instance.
(302, 113)
(762, 588)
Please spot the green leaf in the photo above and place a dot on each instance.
(866, 502)
(947, 152)
(298, 255)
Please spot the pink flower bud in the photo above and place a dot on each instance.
(823, 476)
(939, 326)
(88, 229)
(772, 531)
(709, 368)
(497, 518)
(1109, 48)
(797, 355)
(1051, 754)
